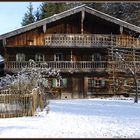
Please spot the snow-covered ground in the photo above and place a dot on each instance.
(86, 118)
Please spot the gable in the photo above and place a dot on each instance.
(112, 19)
(63, 15)
(43, 22)
(97, 25)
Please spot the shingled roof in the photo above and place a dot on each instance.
(68, 13)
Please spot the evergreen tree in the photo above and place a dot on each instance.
(43, 10)
(28, 16)
(73, 4)
(49, 9)
(46, 9)
(129, 12)
(37, 15)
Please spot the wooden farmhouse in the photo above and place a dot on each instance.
(93, 51)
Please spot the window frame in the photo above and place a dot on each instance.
(60, 57)
(20, 57)
(95, 56)
(60, 83)
(38, 57)
(93, 83)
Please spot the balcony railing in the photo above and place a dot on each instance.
(62, 65)
(71, 66)
(89, 40)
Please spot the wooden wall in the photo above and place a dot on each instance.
(96, 25)
(37, 36)
(77, 55)
(69, 25)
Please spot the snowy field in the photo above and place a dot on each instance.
(86, 118)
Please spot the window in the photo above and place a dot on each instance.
(58, 57)
(96, 83)
(56, 83)
(39, 57)
(59, 83)
(64, 82)
(20, 57)
(96, 57)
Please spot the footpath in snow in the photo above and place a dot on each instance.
(86, 118)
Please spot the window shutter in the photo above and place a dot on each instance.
(65, 82)
(53, 82)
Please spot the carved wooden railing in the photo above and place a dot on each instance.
(62, 65)
(89, 40)
(74, 65)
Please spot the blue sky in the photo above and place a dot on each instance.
(11, 14)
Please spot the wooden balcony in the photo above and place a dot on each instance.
(63, 66)
(89, 40)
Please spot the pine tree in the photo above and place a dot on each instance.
(129, 12)
(43, 10)
(49, 9)
(73, 4)
(28, 16)
(59, 7)
(37, 15)
(25, 20)
(46, 9)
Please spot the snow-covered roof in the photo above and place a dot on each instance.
(68, 13)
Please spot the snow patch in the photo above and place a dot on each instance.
(84, 118)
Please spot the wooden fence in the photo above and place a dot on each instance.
(17, 103)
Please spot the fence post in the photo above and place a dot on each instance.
(34, 99)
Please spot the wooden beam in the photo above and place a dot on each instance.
(4, 42)
(121, 29)
(71, 57)
(44, 28)
(82, 21)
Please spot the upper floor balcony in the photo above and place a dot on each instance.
(89, 40)
(74, 66)
(63, 66)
